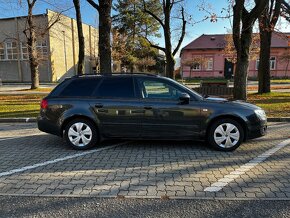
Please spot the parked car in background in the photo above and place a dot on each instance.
(89, 108)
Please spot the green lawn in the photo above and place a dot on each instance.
(276, 104)
(27, 105)
(194, 80)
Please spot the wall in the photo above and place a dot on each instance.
(218, 63)
(18, 70)
(63, 42)
(219, 60)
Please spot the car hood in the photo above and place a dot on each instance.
(232, 102)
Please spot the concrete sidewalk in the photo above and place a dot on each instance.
(22, 89)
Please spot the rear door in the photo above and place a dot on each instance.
(165, 115)
(117, 108)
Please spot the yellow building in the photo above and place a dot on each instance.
(57, 47)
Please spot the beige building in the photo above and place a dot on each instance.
(57, 47)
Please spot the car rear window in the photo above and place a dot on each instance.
(116, 88)
(80, 87)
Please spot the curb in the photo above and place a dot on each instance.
(18, 120)
(33, 120)
(278, 119)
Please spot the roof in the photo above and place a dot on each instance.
(217, 41)
(22, 17)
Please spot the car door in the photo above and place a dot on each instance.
(116, 107)
(165, 116)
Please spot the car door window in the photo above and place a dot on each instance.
(116, 88)
(83, 87)
(153, 89)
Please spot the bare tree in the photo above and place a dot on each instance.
(267, 23)
(243, 22)
(105, 24)
(31, 42)
(165, 22)
(31, 31)
(81, 61)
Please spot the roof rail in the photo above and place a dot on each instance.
(111, 74)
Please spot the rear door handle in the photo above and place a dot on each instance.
(137, 111)
(148, 107)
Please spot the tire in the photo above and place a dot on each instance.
(81, 134)
(226, 135)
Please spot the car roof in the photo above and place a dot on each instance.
(116, 75)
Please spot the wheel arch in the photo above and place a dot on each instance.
(69, 119)
(238, 119)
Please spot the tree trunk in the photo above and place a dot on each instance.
(241, 73)
(167, 35)
(32, 51)
(105, 36)
(170, 65)
(286, 71)
(264, 73)
(81, 61)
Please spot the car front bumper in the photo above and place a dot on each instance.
(257, 129)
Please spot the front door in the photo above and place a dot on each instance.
(229, 69)
(165, 116)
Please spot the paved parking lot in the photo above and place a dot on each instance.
(38, 164)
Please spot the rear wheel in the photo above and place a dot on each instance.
(81, 134)
(226, 135)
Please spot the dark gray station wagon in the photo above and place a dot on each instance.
(89, 108)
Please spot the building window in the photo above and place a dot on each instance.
(42, 51)
(257, 64)
(2, 51)
(273, 63)
(11, 50)
(196, 66)
(24, 51)
(209, 64)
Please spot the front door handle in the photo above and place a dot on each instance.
(148, 107)
(99, 105)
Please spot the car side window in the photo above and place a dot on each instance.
(154, 89)
(116, 88)
(83, 87)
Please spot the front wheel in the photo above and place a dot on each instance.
(226, 135)
(81, 134)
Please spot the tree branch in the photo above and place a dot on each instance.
(276, 14)
(94, 4)
(182, 33)
(154, 46)
(257, 10)
(152, 14)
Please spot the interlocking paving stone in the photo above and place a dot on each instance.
(142, 168)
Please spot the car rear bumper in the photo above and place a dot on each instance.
(47, 126)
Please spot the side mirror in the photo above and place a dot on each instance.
(184, 98)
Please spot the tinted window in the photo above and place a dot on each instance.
(158, 89)
(80, 87)
(116, 88)
(59, 88)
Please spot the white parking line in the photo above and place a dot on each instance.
(217, 186)
(17, 137)
(22, 169)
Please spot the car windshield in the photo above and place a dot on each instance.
(197, 95)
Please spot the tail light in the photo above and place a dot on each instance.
(44, 104)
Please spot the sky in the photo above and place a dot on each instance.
(10, 8)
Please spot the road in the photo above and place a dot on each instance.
(41, 176)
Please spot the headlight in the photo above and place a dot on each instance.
(261, 114)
